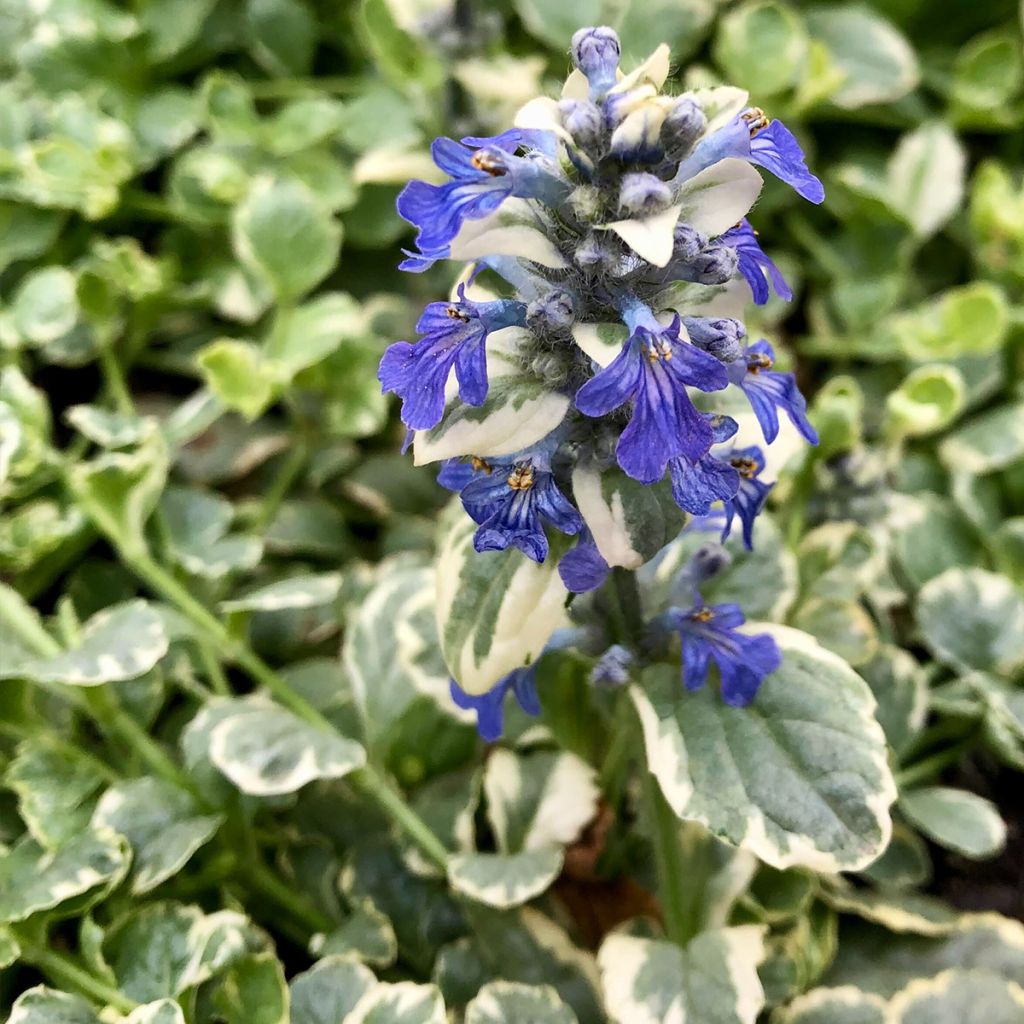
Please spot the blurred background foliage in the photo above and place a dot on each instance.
(198, 251)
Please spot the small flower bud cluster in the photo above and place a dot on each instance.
(604, 234)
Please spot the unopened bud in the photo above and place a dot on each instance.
(716, 264)
(551, 313)
(642, 194)
(719, 338)
(688, 243)
(584, 121)
(595, 51)
(612, 668)
(682, 126)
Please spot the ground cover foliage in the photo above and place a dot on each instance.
(235, 786)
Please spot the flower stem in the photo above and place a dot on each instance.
(677, 903)
(929, 767)
(366, 779)
(63, 971)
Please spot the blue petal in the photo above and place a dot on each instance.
(696, 660)
(696, 487)
(775, 148)
(524, 686)
(614, 385)
(744, 667)
(418, 374)
(583, 568)
(489, 708)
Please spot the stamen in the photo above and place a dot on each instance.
(521, 478)
(489, 163)
(702, 615)
(746, 467)
(455, 313)
(479, 464)
(659, 350)
(756, 120)
(758, 361)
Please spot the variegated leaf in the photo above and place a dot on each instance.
(329, 991)
(266, 750)
(42, 1005)
(123, 641)
(713, 979)
(311, 591)
(800, 777)
(506, 1002)
(495, 610)
(719, 196)
(401, 1003)
(516, 228)
(504, 880)
(844, 1005)
(959, 997)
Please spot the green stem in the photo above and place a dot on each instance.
(677, 905)
(281, 485)
(113, 376)
(366, 779)
(64, 972)
(615, 766)
(627, 594)
(799, 492)
(931, 766)
(214, 672)
(287, 88)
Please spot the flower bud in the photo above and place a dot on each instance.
(598, 254)
(612, 668)
(584, 121)
(551, 313)
(681, 127)
(642, 194)
(548, 366)
(688, 243)
(719, 338)
(707, 562)
(595, 51)
(716, 264)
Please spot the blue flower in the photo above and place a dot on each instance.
(511, 500)
(583, 568)
(696, 486)
(769, 390)
(709, 633)
(751, 494)
(769, 144)
(454, 334)
(754, 264)
(655, 367)
(612, 668)
(490, 706)
(484, 173)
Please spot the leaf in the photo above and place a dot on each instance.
(898, 911)
(108, 429)
(900, 687)
(762, 46)
(713, 978)
(719, 196)
(282, 233)
(959, 997)
(495, 610)
(514, 229)
(504, 880)
(925, 177)
(197, 526)
(329, 991)
(877, 63)
(160, 822)
(929, 536)
(121, 642)
(928, 400)
(843, 627)
(518, 412)
(973, 619)
(367, 935)
(651, 238)
(845, 1005)
(403, 1002)
(304, 336)
(505, 1002)
(119, 490)
(539, 799)
(53, 785)
(33, 879)
(311, 591)
(266, 750)
(45, 306)
(990, 441)
(161, 950)
(879, 961)
(163, 1011)
(554, 23)
(42, 1005)
(283, 36)
(630, 522)
(800, 777)
(955, 819)
(253, 991)
(236, 372)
